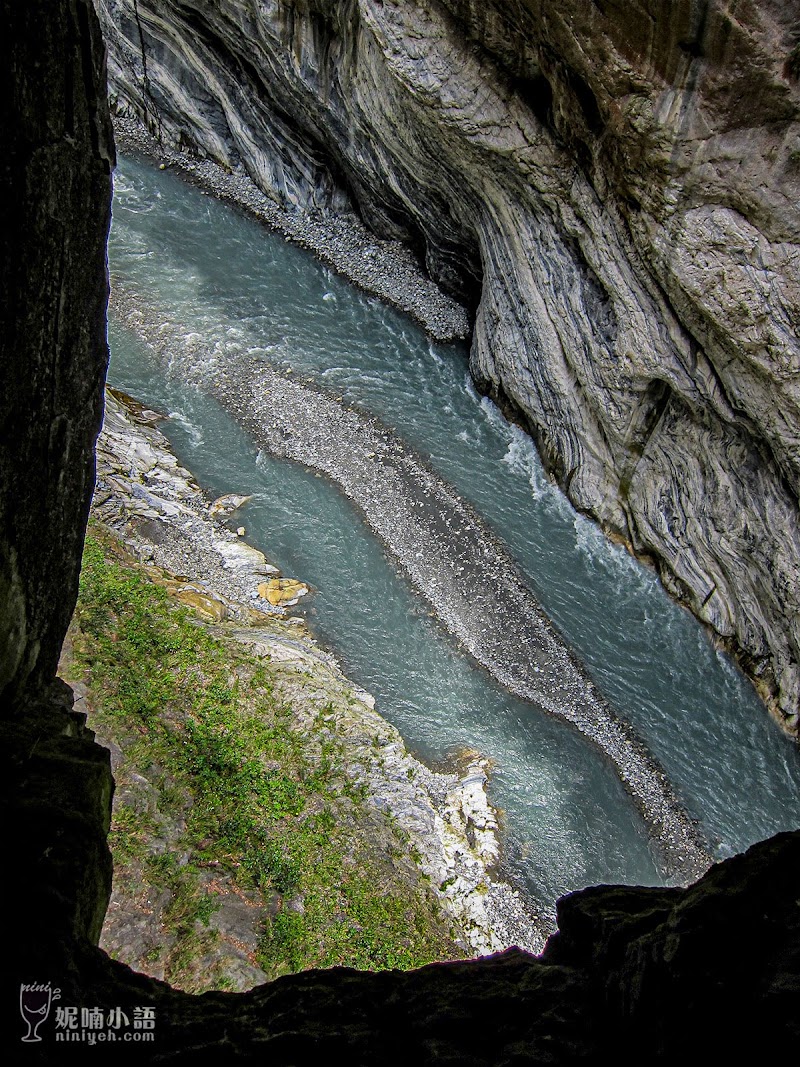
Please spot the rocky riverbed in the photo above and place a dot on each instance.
(188, 545)
(591, 182)
(386, 269)
(441, 544)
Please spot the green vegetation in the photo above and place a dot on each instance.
(236, 792)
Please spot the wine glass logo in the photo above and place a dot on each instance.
(34, 1006)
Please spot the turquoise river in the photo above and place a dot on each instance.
(211, 279)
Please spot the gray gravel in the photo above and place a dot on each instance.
(442, 545)
(444, 548)
(385, 269)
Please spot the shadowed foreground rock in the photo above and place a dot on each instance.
(651, 975)
(55, 184)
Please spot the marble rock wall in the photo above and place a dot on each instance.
(613, 187)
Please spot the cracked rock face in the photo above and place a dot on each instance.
(613, 187)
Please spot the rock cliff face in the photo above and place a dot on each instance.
(612, 187)
(661, 976)
(56, 168)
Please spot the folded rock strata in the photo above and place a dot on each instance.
(612, 187)
(661, 976)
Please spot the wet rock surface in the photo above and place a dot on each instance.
(612, 187)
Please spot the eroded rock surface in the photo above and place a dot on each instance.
(613, 187)
(639, 975)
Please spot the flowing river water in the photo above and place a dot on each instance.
(440, 552)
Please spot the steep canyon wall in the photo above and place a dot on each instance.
(57, 161)
(612, 188)
(639, 975)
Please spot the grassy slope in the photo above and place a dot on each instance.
(246, 788)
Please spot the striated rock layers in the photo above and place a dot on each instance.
(613, 187)
(661, 976)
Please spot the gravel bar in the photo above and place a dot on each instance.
(440, 543)
(385, 269)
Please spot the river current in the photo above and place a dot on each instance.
(190, 275)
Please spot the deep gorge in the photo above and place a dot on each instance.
(627, 962)
(265, 357)
(593, 190)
